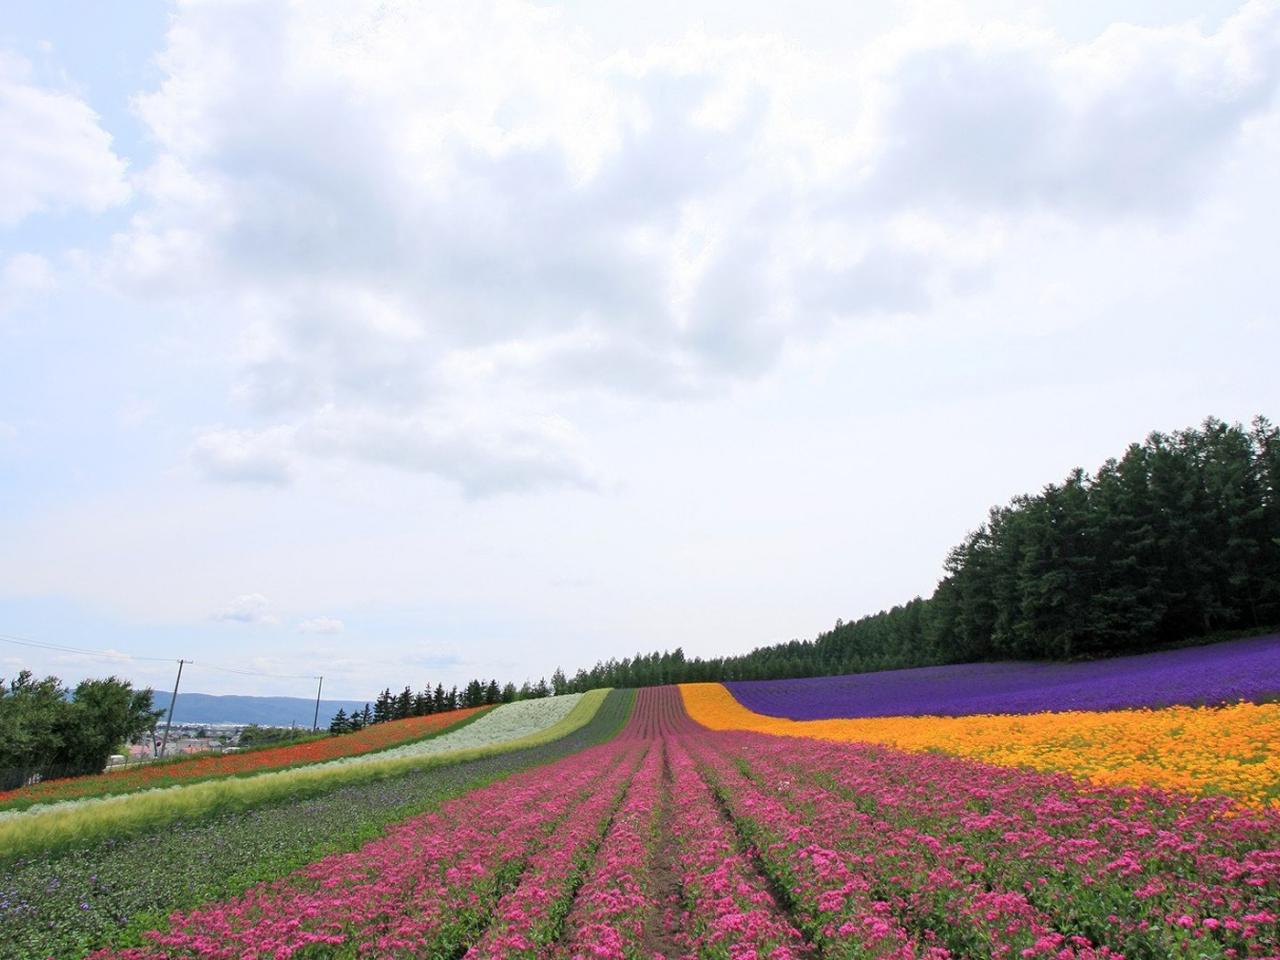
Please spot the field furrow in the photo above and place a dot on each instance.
(530, 917)
(728, 906)
(69, 900)
(670, 841)
(1213, 751)
(375, 740)
(614, 912)
(429, 887)
(948, 874)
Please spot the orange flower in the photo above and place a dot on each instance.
(379, 736)
(1208, 750)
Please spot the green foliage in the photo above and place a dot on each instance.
(254, 736)
(1176, 540)
(1171, 542)
(63, 903)
(47, 730)
(115, 786)
(340, 723)
(84, 824)
(29, 714)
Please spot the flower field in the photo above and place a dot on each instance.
(442, 733)
(671, 840)
(676, 824)
(506, 722)
(1204, 750)
(372, 739)
(1247, 670)
(62, 902)
(76, 822)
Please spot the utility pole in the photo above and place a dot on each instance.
(172, 703)
(315, 721)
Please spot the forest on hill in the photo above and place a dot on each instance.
(1177, 539)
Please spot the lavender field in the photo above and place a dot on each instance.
(1221, 673)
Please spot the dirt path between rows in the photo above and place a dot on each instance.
(659, 936)
(781, 902)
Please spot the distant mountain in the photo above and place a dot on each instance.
(266, 711)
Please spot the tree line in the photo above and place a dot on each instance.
(1175, 540)
(49, 730)
(477, 693)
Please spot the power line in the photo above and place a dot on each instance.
(62, 648)
(258, 673)
(116, 655)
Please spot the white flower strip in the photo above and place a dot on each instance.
(509, 721)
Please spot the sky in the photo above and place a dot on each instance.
(404, 343)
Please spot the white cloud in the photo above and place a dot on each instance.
(321, 625)
(483, 457)
(54, 155)
(109, 655)
(23, 277)
(134, 412)
(516, 453)
(1133, 122)
(247, 608)
(373, 258)
(264, 457)
(27, 272)
(436, 227)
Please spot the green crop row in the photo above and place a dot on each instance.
(117, 784)
(68, 902)
(118, 816)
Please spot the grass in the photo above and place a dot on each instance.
(20, 801)
(87, 823)
(65, 903)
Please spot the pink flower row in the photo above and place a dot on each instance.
(675, 837)
(1138, 869)
(895, 855)
(729, 913)
(861, 886)
(612, 908)
(528, 919)
(428, 887)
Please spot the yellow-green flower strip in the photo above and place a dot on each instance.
(1229, 750)
(113, 816)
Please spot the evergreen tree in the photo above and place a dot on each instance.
(340, 724)
(1266, 445)
(559, 683)
(1177, 539)
(383, 707)
(422, 703)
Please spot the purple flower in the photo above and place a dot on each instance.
(1221, 673)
